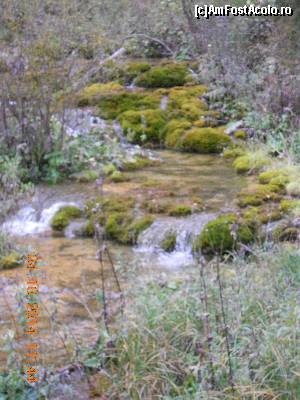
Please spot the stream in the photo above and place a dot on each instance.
(72, 278)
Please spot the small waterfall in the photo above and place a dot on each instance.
(185, 229)
(29, 221)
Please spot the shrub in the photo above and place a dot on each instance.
(205, 140)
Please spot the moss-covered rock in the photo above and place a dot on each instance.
(222, 235)
(241, 135)
(293, 188)
(205, 140)
(134, 69)
(138, 163)
(116, 227)
(276, 177)
(144, 127)
(180, 210)
(251, 162)
(124, 229)
(91, 94)
(286, 233)
(164, 76)
(233, 153)
(118, 177)
(169, 242)
(258, 194)
(174, 130)
(64, 216)
(10, 261)
(111, 106)
(85, 176)
(138, 226)
(289, 205)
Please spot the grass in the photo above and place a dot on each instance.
(173, 342)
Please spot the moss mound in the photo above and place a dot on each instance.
(174, 130)
(241, 135)
(259, 194)
(204, 140)
(124, 229)
(113, 105)
(180, 210)
(169, 243)
(143, 127)
(251, 162)
(134, 69)
(164, 76)
(222, 235)
(10, 261)
(85, 176)
(64, 216)
(289, 205)
(91, 94)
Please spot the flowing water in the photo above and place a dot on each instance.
(72, 273)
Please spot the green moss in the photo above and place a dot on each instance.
(270, 215)
(184, 102)
(278, 177)
(113, 105)
(242, 135)
(259, 194)
(116, 227)
(134, 69)
(222, 235)
(288, 205)
(180, 211)
(293, 188)
(118, 177)
(91, 94)
(122, 228)
(109, 169)
(138, 163)
(10, 261)
(233, 153)
(144, 127)
(205, 140)
(64, 216)
(164, 76)
(285, 233)
(169, 243)
(174, 130)
(138, 226)
(85, 176)
(156, 206)
(251, 162)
